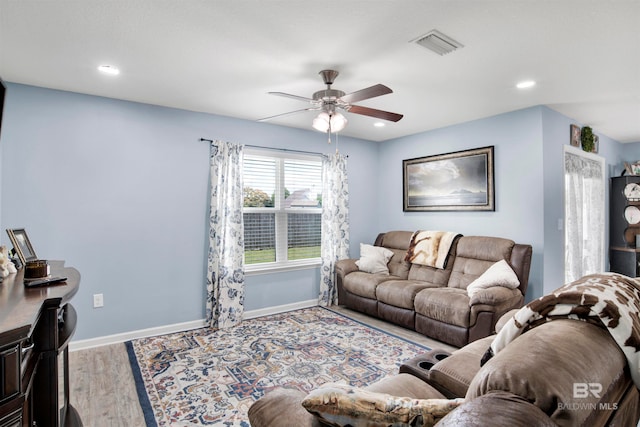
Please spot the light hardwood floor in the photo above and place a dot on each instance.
(103, 390)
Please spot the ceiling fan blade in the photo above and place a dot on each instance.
(370, 92)
(286, 114)
(372, 112)
(288, 95)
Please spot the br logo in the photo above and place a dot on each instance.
(583, 390)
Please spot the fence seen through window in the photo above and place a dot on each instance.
(282, 208)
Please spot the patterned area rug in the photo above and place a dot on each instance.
(211, 377)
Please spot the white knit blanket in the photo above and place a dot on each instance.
(609, 299)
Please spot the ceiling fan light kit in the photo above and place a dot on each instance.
(331, 123)
(328, 100)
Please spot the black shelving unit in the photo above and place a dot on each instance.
(624, 225)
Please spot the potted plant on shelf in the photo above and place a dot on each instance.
(587, 139)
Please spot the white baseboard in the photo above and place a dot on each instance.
(179, 327)
(279, 309)
(140, 333)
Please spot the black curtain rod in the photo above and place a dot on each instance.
(276, 149)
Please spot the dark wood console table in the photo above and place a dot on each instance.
(36, 325)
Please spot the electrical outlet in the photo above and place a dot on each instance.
(98, 300)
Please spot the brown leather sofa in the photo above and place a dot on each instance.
(531, 382)
(434, 301)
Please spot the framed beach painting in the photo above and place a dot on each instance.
(459, 181)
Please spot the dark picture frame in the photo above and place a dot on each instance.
(457, 181)
(574, 135)
(22, 245)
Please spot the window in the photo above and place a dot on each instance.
(584, 196)
(282, 209)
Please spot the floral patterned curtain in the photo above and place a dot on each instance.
(225, 269)
(335, 224)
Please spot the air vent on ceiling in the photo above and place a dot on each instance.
(437, 42)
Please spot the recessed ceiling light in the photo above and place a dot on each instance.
(379, 124)
(109, 69)
(526, 84)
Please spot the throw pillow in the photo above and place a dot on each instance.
(374, 259)
(499, 274)
(343, 405)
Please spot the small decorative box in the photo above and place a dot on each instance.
(36, 269)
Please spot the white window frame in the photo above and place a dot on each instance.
(281, 216)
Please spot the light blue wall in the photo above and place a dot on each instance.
(631, 152)
(119, 190)
(519, 197)
(529, 183)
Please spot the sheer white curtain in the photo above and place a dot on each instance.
(335, 224)
(584, 213)
(225, 268)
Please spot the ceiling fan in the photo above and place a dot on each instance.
(328, 101)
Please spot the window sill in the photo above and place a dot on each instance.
(252, 270)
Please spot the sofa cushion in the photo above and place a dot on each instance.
(344, 405)
(397, 265)
(398, 242)
(499, 274)
(474, 255)
(455, 373)
(448, 305)
(543, 364)
(374, 259)
(434, 275)
(365, 284)
(400, 293)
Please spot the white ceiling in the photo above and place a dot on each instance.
(223, 57)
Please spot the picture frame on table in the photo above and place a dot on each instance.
(458, 181)
(22, 245)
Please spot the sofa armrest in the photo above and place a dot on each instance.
(343, 267)
(496, 300)
(346, 266)
(495, 296)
